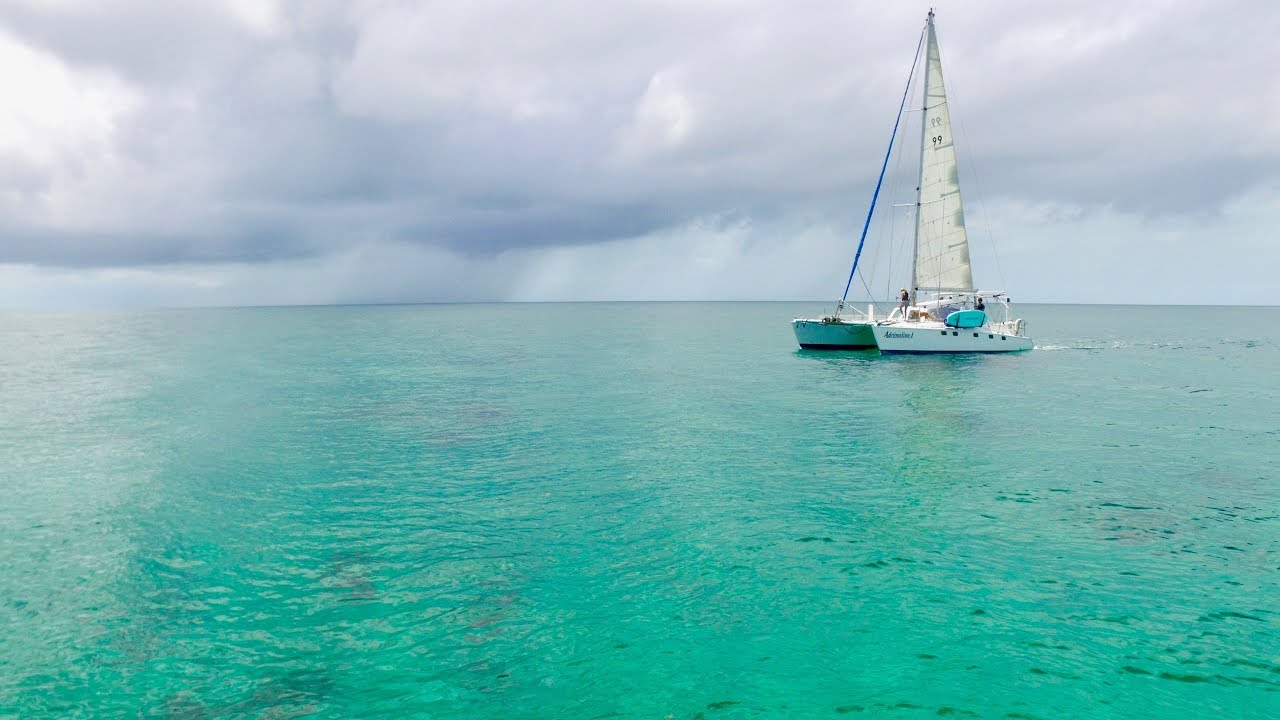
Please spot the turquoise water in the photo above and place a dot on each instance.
(634, 511)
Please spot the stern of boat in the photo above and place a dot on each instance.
(833, 334)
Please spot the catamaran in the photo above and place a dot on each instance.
(944, 312)
(955, 317)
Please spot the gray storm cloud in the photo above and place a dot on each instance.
(236, 134)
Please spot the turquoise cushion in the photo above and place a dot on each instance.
(966, 319)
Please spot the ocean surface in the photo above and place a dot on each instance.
(640, 510)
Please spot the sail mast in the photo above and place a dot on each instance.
(924, 107)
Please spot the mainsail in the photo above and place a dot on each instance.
(942, 246)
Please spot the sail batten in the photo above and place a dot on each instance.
(942, 244)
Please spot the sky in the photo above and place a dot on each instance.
(259, 152)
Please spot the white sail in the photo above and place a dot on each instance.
(956, 319)
(942, 246)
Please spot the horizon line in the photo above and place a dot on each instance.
(410, 303)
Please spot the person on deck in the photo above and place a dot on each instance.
(904, 300)
(980, 305)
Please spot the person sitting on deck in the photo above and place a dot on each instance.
(980, 305)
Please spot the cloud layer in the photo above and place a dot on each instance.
(237, 152)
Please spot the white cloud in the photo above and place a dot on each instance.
(56, 117)
(260, 17)
(422, 61)
(664, 118)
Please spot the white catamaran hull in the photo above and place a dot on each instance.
(833, 335)
(931, 337)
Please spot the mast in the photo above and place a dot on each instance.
(924, 108)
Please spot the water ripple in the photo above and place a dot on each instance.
(362, 512)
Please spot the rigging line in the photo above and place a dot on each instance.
(898, 120)
(884, 239)
(888, 231)
(982, 200)
(894, 186)
(904, 242)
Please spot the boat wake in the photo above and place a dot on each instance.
(1068, 347)
(1121, 345)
